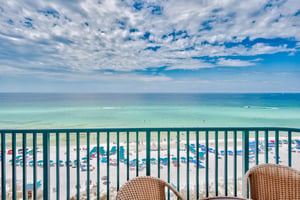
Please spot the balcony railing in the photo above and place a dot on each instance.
(94, 163)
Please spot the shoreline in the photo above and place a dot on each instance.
(163, 141)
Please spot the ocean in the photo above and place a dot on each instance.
(46, 110)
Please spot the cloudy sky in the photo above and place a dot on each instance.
(150, 46)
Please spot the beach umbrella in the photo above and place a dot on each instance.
(174, 158)
(183, 158)
(105, 182)
(70, 162)
(19, 156)
(153, 159)
(144, 159)
(40, 161)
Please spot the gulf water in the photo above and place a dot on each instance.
(50, 110)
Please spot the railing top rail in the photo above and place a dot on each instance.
(54, 130)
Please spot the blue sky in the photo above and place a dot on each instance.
(150, 46)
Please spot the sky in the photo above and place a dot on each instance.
(188, 46)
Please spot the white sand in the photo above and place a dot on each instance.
(163, 172)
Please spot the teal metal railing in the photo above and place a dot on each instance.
(63, 170)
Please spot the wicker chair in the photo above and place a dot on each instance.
(270, 181)
(145, 188)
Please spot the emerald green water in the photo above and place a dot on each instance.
(25, 110)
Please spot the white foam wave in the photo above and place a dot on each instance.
(109, 108)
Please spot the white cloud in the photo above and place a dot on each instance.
(95, 35)
(10, 70)
(234, 63)
(188, 64)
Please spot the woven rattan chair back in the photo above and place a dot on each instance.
(270, 181)
(145, 188)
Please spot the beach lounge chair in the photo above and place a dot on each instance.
(270, 181)
(146, 188)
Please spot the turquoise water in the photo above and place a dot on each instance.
(24, 110)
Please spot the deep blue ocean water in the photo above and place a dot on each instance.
(36, 110)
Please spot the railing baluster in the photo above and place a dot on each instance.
(14, 174)
(3, 166)
(158, 154)
(188, 164)
(234, 163)
(34, 166)
(266, 146)
(216, 163)
(118, 160)
(226, 163)
(169, 164)
(197, 165)
(290, 147)
(277, 147)
(24, 153)
(57, 166)
(107, 163)
(137, 154)
(256, 148)
(78, 164)
(127, 157)
(88, 164)
(206, 163)
(68, 164)
(178, 159)
(148, 153)
(46, 156)
(98, 165)
(245, 153)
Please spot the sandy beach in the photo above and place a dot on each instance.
(154, 169)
